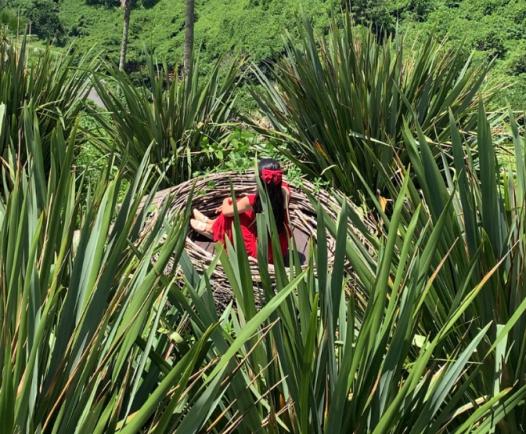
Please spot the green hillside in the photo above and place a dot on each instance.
(496, 29)
(245, 27)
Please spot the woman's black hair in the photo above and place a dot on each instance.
(274, 193)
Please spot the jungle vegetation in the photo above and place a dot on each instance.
(417, 324)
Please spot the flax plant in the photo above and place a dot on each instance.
(479, 207)
(173, 115)
(82, 295)
(336, 101)
(55, 85)
(320, 364)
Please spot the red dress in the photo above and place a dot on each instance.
(222, 228)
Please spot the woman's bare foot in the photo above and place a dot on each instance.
(198, 215)
(202, 228)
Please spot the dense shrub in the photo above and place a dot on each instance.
(78, 290)
(13, 21)
(42, 17)
(516, 62)
(481, 207)
(373, 13)
(107, 3)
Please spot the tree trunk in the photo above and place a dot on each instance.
(189, 35)
(126, 5)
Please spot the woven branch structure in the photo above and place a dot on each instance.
(209, 192)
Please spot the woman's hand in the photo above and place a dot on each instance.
(227, 202)
(227, 208)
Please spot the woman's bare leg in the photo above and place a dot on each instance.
(202, 228)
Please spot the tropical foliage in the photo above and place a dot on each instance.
(51, 84)
(479, 220)
(337, 107)
(325, 365)
(494, 29)
(417, 327)
(175, 116)
(81, 309)
(108, 342)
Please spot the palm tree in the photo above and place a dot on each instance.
(189, 35)
(126, 5)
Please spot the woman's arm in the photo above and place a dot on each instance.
(227, 208)
(286, 194)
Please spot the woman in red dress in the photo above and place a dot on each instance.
(278, 192)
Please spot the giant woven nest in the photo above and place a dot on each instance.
(209, 192)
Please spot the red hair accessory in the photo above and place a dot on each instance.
(272, 176)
